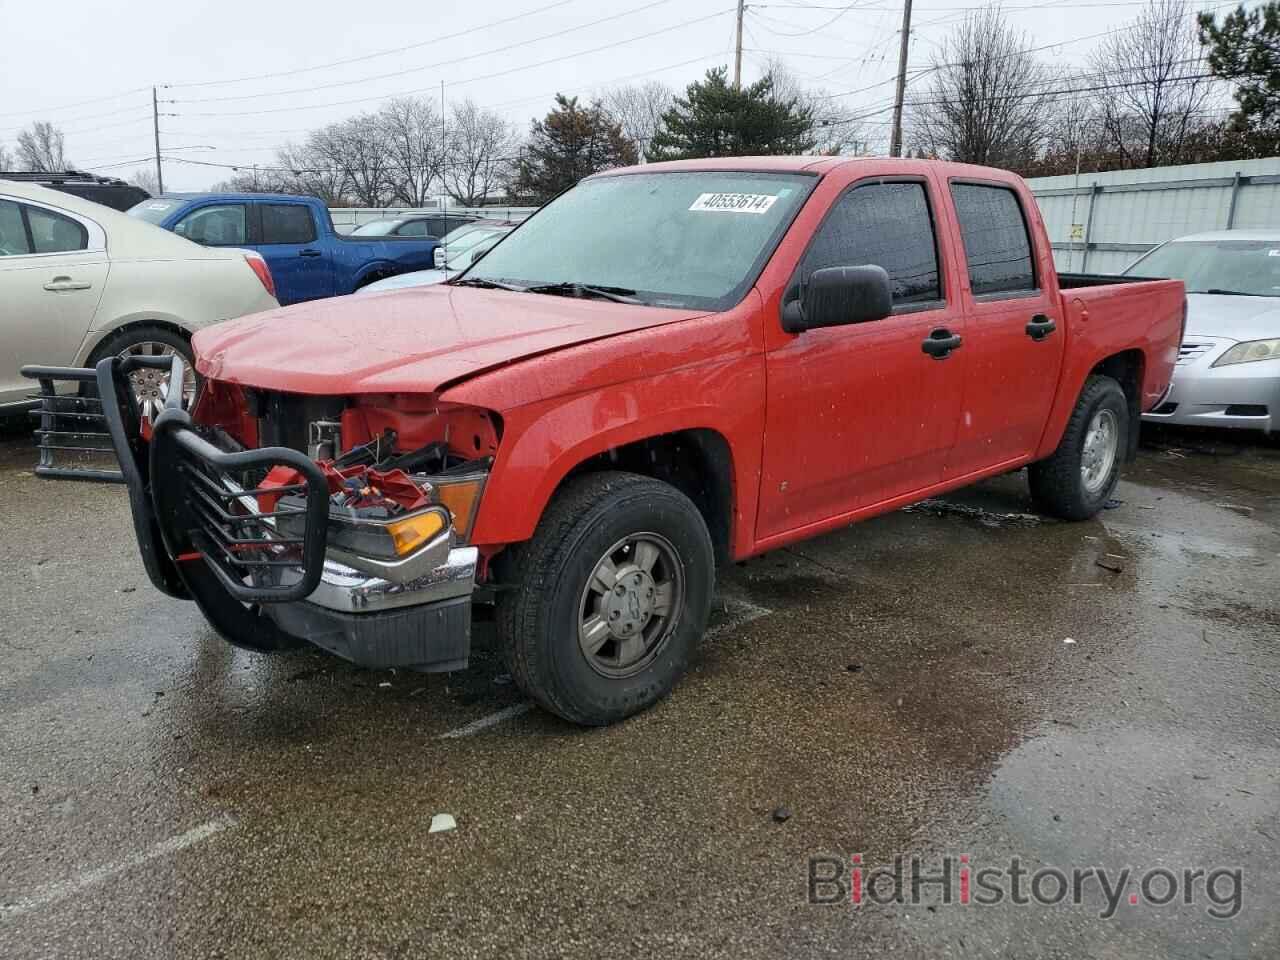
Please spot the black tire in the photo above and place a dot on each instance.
(122, 340)
(540, 620)
(1058, 484)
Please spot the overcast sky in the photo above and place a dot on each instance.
(206, 52)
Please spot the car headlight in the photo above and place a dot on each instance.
(1250, 351)
(454, 500)
(386, 539)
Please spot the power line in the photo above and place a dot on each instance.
(1027, 95)
(824, 24)
(70, 106)
(489, 76)
(432, 66)
(380, 53)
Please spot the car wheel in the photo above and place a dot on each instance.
(151, 386)
(609, 598)
(1080, 476)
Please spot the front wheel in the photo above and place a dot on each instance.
(1076, 481)
(609, 597)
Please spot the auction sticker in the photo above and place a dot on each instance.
(734, 202)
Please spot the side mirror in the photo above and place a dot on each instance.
(836, 296)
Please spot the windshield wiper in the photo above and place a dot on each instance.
(487, 284)
(572, 289)
(1229, 293)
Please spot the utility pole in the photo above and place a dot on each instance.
(737, 50)
(155, 126)
(895, 138)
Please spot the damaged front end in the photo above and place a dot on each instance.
(290, 519)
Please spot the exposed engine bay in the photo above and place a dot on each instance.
(383, 456)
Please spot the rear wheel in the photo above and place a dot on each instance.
(151, 386)
(610, 597)
(1078, 479)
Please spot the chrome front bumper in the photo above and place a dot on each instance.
(1240, 395)
(348, 590)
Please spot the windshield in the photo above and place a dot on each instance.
(1244, 267)
(675, 239)
(153, 211)
(377, 228)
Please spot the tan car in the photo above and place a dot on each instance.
(79, 282)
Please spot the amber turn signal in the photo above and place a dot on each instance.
(462, 497)
(409, 533)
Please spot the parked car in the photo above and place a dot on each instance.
(108, 191)
(79, 282)
(417, 225)
(666, 367)
(459, 250)
(1228, 369)
(308, 258)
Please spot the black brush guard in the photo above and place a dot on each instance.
(198, 511)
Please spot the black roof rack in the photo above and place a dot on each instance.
(58, 176)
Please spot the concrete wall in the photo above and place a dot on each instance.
(1123, 213)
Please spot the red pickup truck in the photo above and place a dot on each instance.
(667, 367)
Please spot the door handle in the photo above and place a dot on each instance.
(308, 253)
(1040, 327)
(58, 284)
(940, 342)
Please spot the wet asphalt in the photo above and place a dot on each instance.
(904, 687)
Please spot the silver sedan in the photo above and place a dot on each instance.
(1228, 368)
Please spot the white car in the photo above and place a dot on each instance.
(80, 281)
(457, 251)
(1228, 367)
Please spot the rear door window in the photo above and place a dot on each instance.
(997, 244)
(217, 225)
(287, 223)
(888, 225)
(13, 232)
(53, 233)
(414, 228)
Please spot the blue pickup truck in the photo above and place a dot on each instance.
(295, 235)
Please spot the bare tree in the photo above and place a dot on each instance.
(145, 177)
(40, 148)
(6, 158)
(985, 103)
(306, 170)
(638, 109)
(832, 134)
(1157, 86)
(357, 149)
(416, 146)
(482, 149)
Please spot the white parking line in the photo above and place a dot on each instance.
(740, 612)
(61, 889)
(484, 723)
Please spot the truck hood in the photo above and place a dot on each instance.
(1236, 318)
(407, 341)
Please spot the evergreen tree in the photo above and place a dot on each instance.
(713, 119)
(1246, 49)
(572, 142)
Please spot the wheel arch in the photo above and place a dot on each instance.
(96, 338)
(694, 457)
(696, 461)
(1127, 368)
(378, 270)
